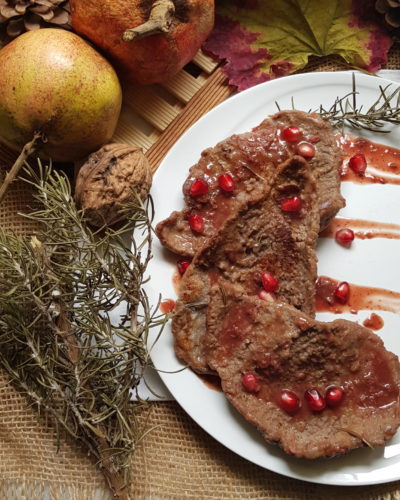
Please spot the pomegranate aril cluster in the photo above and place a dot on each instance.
(291, 404)
(293, 135)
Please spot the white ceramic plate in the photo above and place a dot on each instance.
(369, 262)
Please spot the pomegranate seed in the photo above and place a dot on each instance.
(342, 292)
(226, 183)
(358, 164)
(269, 282)
(196, 223)
(314, 399)
(250, 382)
(344, 237)
(289, 402)
(291, 134)
(292, 204)
(182, 266)
(334, 396)
(306, 150)
(263, 295)
(198, 187)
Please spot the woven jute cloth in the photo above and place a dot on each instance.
(176, 460)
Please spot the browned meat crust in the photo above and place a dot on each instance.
(286, 349)
(260, 238)
(252, 159)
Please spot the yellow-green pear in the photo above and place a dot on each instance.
(53, 82)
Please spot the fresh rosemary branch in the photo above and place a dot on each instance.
(345, 110)
(59, 339)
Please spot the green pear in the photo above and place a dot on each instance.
(53, 82)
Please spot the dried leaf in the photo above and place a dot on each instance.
(261, 40)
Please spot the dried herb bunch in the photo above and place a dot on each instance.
(59, 341)
(345, 110)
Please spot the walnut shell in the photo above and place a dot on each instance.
(108, 179)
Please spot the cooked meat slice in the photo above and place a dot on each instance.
(325, 163)
(251, 159)
(262, 348)
(261, 238)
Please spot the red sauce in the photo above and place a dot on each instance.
(361, 298)
(374, 322)
(367, 381)
(363, 229)
(211, 381)
(236, 323)
(369, 387)
(249, 156)
(383, 162)
(167, 306)
(372, 386)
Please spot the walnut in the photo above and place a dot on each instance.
(109, 178)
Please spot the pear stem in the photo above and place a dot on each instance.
(29, 148)
(160, 21)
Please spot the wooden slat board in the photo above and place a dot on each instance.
(154, 117)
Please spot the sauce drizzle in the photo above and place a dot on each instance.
(383, 162)
(374, 322)
(361, 298)
(363, 229)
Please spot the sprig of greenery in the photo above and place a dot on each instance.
(345, 110)
(60, 341)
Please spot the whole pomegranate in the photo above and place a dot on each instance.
(53, 82)
(148, 41)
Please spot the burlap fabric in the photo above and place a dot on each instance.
(177, 460)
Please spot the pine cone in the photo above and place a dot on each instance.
(17, 16)
(391, 10)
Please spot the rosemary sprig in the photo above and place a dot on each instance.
(59, 339)
(345, 110)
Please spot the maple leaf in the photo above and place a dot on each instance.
(263, 39)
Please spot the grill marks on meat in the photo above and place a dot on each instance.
(286, 349)
(251, 158)
(259, 238)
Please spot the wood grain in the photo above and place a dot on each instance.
(214, 91)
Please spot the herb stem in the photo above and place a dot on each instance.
(29, 148)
